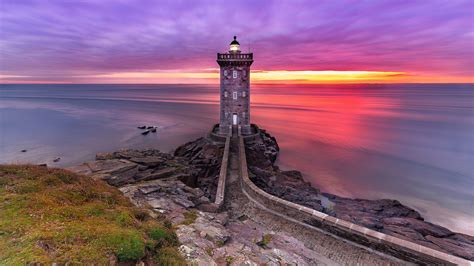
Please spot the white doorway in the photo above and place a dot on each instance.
(234, 119)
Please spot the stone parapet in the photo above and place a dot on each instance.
(222, 174)
(215, 134)
(387, 244)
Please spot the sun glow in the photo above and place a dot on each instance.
(211, 76)
(330, 76)
(259, 76)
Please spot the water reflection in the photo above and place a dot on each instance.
(409, 142)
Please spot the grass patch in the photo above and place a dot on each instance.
(190, 217)
(52, 215)
(169, 256)
(210, 251)
(229, 260)
(266, 238)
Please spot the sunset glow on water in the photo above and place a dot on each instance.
(407, 142)
(366, 99)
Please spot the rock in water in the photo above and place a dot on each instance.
(145, 132)
(23, 150)
(57, 160)
(153, 130)
(141, 127)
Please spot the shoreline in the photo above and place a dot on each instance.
(197, 164)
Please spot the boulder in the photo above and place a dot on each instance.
(454, 246)
(155, 174)
(150, 161)
(122, 177)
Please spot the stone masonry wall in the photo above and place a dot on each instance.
(234, 94)
(378, 241)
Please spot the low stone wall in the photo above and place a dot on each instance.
(222, 175)
(215, 136)
(396, 247)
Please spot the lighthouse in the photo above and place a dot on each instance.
(234, 89)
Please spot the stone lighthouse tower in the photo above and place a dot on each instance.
(235, 89)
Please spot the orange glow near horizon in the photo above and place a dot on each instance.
(211, 76)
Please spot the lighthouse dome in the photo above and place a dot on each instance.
(235, 46)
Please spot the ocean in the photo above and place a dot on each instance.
(410, 142)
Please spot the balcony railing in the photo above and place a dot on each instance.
(234, 56)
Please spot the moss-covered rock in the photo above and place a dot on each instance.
(52, 215)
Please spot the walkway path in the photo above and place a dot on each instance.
(329, 248)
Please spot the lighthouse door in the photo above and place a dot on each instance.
(234, 119)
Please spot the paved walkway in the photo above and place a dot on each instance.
(330, 249)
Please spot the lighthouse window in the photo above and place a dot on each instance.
(234, 74)
(234, 95)
(225, 94)
(225, 72)
(243, 94)
(243, 114)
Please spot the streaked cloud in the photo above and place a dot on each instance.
(65, 41)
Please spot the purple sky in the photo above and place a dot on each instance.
(71, 40)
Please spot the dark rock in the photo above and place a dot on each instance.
(142, 168)
(204, 156)
(57, 159)
(208, 207)
(104, 156)
(145, 132)
(454, 246)
(151, 161)
(24, 150)
(422, 227)
(155, 174)
(123, 177)
(141, 127)
(385, 215)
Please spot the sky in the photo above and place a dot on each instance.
(125, 41)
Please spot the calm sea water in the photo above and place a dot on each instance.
(413, 143)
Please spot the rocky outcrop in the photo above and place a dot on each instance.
(183, 185)
(180, 187)
(385, 215)
(205, 156)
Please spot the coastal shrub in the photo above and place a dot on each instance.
(124, 218)
(163, 237)
(229, 260)
(140, 214)
(169, 256)
(95, 209)
(167, 223)
(52, 215)
(189, 217)
(158, 233)
(266, 238)
(210, 251)
(126, 245)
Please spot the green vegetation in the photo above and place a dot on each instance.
(210, 251)
(52, 215)
(266, 238)
(189, 217)
(229, 260)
